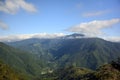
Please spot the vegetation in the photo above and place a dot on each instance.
(105, 72)
(7, 73)
(84, 52)
(88, 53)
(62, 59)
(23, 62)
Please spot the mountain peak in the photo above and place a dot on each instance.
(74, 36)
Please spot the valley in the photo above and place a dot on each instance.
(45, 57)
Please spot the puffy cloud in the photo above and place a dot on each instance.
(27, 36)
(12, 6)
(93, 28)
(3, 25)
(92, 14)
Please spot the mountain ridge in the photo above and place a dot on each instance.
(22, 61)
(37, 57)
(82, 52)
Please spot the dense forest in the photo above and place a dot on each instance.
(60, 59)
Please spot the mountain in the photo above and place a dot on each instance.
(21, 61)
(109, 71)
(62, 52)
(73, 36)
(7, 73)
(85, 52)
(39, 48)
(51, 59)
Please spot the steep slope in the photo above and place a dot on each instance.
(22, 62)
(85, 52)
(6, 73)
(109, 71)
(80, 52)
(39, 48)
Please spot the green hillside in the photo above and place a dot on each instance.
(22, 62)
(63, 52)
(63, 59)
(106, 72)
(85, 52)
(6, 73)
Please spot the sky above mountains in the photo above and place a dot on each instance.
(21, 19)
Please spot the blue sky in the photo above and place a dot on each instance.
(20, 17)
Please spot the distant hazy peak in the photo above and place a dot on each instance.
(74, 36)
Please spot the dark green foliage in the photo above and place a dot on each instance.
(36, 47)
(47, 55)
(116, 64)
(105, 72)
(83, 52)
(6, 73)
(69, 73)
(21, 61)
(88, 52)
(72, 73)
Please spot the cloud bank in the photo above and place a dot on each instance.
(12, 38)
(3, 25)
(13, 6)
(27, 36)
(93, 28)
(112, 38)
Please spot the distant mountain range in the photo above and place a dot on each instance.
(36, 57)
(73, 36)
(71, 50)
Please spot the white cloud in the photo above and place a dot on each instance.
(97, 13)
(12, 38)
(27, 36)
(3, 25)
(112, 38)
(12, 6)
(93, 28)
